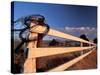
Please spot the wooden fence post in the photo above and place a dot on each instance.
(30, 63)
(81, 46)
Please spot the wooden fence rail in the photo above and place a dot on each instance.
(52, 32)
(41, 52)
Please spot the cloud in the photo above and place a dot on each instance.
(82, 30)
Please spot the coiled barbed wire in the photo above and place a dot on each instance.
(26, 21)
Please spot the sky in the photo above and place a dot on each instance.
(71, 19)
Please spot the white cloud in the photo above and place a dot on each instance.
(85, 30)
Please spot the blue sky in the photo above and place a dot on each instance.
(60, 16)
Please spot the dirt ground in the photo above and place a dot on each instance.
(46, 63)
(89, 62)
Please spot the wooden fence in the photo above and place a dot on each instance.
(34, 52)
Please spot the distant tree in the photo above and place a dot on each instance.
(53, 43)
(95, 40)
(83, 36)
